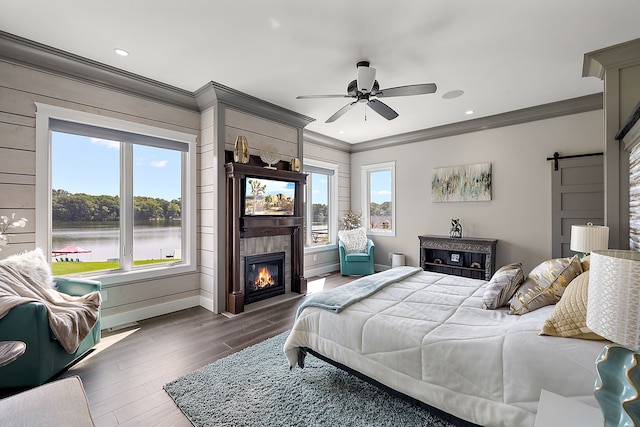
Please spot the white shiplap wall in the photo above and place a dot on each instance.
(20, 88)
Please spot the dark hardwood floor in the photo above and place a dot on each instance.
(124, 375)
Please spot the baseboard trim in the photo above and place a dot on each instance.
(321, 270)
(207, 303)
(115, 320)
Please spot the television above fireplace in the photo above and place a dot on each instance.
(269, 197)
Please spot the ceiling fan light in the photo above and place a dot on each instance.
(366, 77)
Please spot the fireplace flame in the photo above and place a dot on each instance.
(264, 279)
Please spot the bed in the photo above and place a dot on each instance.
(427, 336)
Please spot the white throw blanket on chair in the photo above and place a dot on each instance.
(70, 318)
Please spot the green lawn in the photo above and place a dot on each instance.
(71, 267)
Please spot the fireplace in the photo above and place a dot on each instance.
(264, 276)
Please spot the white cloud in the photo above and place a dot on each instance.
(159, 163)
(106, 142)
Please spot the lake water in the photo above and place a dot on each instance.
(151, 240)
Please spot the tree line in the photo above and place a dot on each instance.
(84, 207)
(380, 209)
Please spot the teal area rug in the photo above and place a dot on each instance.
(255, 387)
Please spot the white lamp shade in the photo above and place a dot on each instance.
(613, 304)
(589, 238)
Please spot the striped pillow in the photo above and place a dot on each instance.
(502, 286)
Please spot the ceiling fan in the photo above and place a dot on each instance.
(366, 89)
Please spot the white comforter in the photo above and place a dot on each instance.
(429, 337)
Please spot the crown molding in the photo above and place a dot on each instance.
(37, 55)
(326, 141)
(541, 112)
(29, 53)
(215, 93)
(621, 55)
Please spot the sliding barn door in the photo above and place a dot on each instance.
(577, 198)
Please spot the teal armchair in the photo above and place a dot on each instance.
(356, 264)
(44, 356)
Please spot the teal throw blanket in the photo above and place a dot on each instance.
(339, 298)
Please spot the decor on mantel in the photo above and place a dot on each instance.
(269, 156)
(7, 223)
(613, 312)
(469, 183)
(241, 150)
(456, 229)
(294, 165)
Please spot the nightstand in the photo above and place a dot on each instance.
(555, 410)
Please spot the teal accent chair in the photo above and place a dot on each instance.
(356, 264)
(44, 356)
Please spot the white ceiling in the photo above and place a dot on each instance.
(505, 55)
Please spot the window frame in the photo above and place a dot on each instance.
(366, 171)
(44, 114)
(332, 199)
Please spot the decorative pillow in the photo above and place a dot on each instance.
(586, 262)
(569, 317)
(32, 264)
(502, 286)
(354, 240)
(545, 284)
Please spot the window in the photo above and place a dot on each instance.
(378, 189)
(120, 197)
(321, 210)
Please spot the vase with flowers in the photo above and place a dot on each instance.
(6, 224)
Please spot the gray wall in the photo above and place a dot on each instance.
(519, 215)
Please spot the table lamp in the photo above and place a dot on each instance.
(613, 312)
(588, 238)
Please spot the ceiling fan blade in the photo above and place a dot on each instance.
(422, 89)
(383, 109)
(366, 77)
(322, 96)
(340, 112)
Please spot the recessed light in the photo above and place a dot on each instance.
(341, 132)
(469, 112)
(121, 52)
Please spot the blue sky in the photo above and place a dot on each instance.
(88, 165)
(319, 185)
(380, 182)
(274, 187)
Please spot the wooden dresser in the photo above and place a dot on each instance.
(466, 257)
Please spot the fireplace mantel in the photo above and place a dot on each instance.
(240, 227)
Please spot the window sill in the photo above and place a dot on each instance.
(323, 248)
(116, 277)
(385, 233)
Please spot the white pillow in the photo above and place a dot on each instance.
(32, 264)
(355, 241)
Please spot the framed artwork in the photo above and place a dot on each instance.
(455, 258)
(467, 183)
